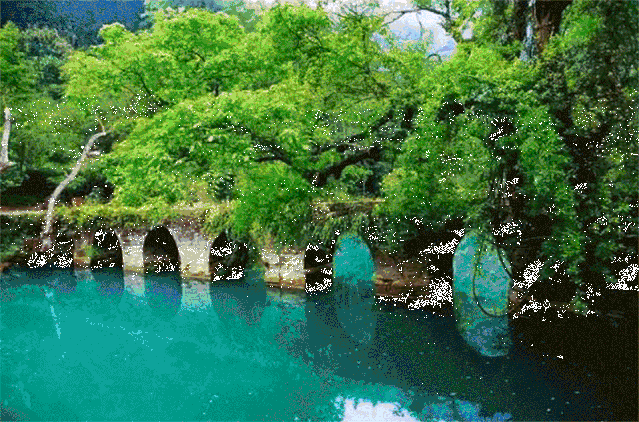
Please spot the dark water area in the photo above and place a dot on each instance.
(110, 345)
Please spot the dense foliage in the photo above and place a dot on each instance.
(45, 129)
(279, 111)
(14, 230)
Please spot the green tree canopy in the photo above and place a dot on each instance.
(304, 107)
(42, 132)
(302, 92)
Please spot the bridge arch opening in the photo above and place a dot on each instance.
(318, 269)
(228, 257)
(354, 287)
(481, 286)
(160, 252)
(106, 250)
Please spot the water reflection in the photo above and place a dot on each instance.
(195, 295)
(163, 292)
(240, 300)
(481, 286)
(354, 288)
(110, 283)
(384, 403)
(60, 280)
(447, 409)
(134, 285)
(86, 283)
(121, 365)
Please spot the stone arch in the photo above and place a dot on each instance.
(107, 250)
(160, 252)
(82, 241)
(318, 269)
(228, 257)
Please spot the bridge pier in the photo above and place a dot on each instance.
(194, 248)
(309, 269)
(284, 268)
(132, 241)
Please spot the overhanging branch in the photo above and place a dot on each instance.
(58, 190)
(320, 178)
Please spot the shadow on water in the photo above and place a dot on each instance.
(64, 281)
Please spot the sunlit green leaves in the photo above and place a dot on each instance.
(18, 74)
(274, 200)
(187, 54)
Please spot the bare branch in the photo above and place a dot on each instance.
(320, 178)
(58, 190)
(401, 13)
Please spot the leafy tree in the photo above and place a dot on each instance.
(304, 108)
(486, 152)
(77, 21)
(46, 132)
(47, 51)
(590, 81)
(529, 148)
(18, 76)
(319, 99)
(186, 55)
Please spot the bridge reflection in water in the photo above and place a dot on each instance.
(481, 285)
(296, 362)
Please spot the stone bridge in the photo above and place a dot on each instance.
(183, 247)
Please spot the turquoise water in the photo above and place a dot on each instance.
(480, 291)
(130, 348)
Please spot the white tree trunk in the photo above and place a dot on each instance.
(529, 50)
(66, 181)
(4, 151)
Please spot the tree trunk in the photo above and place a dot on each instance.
(529, 51)
(542, 20)
(47, 227)
(548, 16)
(4, 150)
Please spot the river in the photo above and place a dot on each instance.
(81, 347)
